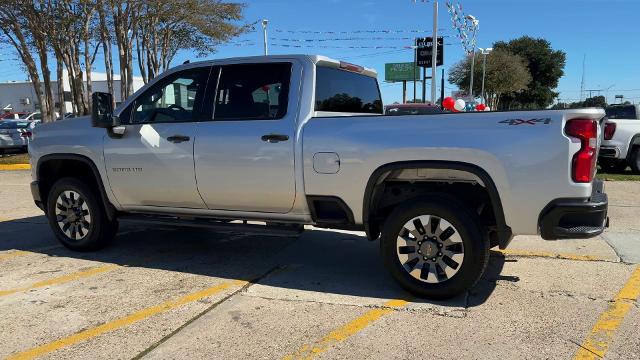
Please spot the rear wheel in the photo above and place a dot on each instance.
(77, 216)
(634, 160)
(613, 166)
(434, 247)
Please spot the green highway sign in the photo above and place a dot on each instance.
(401, 72)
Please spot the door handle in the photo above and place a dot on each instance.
(274, 138)
(176, 139)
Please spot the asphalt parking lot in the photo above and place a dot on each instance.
(189, 293)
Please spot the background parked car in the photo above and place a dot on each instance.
(621, 139)
(412, 109)
(15, 135)
(12, 115)
(35, 116)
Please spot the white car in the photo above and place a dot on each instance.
(36, 116)
(15, 135)
(621, 138)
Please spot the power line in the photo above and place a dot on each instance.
(345, 39)
(385, 31)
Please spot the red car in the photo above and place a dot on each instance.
(12, 115)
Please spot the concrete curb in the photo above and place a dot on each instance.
(15, 167)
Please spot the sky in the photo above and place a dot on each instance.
(603, 31)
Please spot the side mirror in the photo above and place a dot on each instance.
(102, 110)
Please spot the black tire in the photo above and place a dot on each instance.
(476, 246)
(99, 231)
(634, 160)
(612, 166)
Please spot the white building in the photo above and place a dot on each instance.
(19, 96)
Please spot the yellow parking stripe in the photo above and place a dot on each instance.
(597, 343)
(341, 334)
(15, 167)
(124, 321)
(62, 279)
(13, 254)
(529, 253)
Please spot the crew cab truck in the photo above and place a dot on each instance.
(287, 141)
(621, 145)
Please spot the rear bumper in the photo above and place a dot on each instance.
(35, 193)
(576, 218)
(609, 152)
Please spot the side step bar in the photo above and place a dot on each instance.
(218, 225)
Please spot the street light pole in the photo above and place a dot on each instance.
(475, 24)
(264, 30)
(434, 55)
(484, 52)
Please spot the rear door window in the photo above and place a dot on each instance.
(346, 92)
(253, 92)
(622, 112)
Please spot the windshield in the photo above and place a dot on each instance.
(13, 125)
(622, 112)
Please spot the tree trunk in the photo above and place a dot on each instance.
(14, 33)
(106, 46)
(60, 85)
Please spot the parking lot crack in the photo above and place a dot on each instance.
(582, 347)
(207, 310)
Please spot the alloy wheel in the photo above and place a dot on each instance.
(430, 249)
(73, 215)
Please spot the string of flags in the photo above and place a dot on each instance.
(382, 31)
(344, 47)
(465, 25)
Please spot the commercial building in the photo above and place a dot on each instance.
(19, 96)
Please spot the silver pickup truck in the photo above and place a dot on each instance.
(270, 144)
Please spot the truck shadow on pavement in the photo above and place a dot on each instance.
(338, 266)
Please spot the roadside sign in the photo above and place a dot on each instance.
(400, 71)
(424, 51)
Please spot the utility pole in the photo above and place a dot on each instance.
(415, 67)
(584, 61)
(434, 54)
(484, 52)
(264, 30)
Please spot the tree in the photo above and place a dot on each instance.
(546, 67)
(596, 101)
(506, 73)
(21, 26)
(167, 26)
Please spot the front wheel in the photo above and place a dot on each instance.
(434, 247)
(77, 216)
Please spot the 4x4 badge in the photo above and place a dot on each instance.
(545, 121)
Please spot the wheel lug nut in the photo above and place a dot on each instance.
(439, 254)
(419, 252)
(424, 258)
(434, 259)
(439, 245)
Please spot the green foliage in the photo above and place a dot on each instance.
(546, 67)
(506, 73)
(596, 101)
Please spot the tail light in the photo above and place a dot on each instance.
(26, 134)
(609, 130)
(351, 67)
(583, 167)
